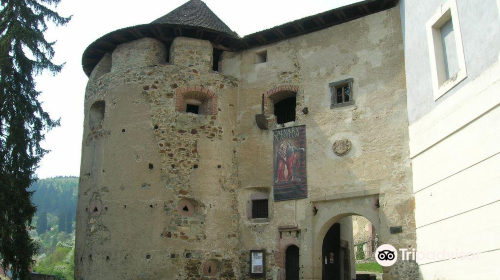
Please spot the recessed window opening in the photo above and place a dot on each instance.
(450, 57)
(445, 49)
(216, 60)
(261, 57)
(260, 209)
(191, 108)
(96, 113)
(284, 110)
(197, 103)
(167, 46)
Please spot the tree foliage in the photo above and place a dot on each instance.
(41, 226)
(24, 53)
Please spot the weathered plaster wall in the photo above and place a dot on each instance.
(370, 51)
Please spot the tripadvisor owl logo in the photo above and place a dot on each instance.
(386, 255)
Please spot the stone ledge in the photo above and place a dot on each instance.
(344, 195)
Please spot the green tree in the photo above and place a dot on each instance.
(69, 221)
(24, 53)
(62, 221)
(41, 225)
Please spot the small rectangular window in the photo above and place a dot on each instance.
(260, 209)
(261, 57)
(216, 60)
(341, 93)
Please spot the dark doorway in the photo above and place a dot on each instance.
(285, 110)
(292, 263)
(331, 254)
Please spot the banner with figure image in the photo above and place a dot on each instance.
(289, 159)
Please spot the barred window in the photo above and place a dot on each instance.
(260, 209)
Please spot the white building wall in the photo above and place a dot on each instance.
(455, 146)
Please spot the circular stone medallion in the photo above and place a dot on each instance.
(341, 147)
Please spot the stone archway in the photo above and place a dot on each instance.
(325, 213)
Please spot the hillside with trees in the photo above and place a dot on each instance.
(56, 200)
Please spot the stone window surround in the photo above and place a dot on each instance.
(210, 96)
(439, 83)
(258, 196)
(333, 86)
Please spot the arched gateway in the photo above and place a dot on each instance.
(322, 254)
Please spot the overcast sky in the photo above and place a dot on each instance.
(63, 94)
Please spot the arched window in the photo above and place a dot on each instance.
(282, 102)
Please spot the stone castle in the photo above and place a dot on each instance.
(179, 164)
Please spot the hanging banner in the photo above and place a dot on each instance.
(289, 161)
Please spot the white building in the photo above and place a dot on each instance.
(452, 71)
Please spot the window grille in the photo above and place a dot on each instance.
(260, 209)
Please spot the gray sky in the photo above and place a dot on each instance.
(63, 94)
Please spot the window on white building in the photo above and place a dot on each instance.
(445, 49)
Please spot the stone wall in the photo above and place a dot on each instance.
(370, 51)
(145, 161)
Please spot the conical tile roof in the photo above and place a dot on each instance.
(195, 13)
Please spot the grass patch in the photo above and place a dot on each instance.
(370, 267)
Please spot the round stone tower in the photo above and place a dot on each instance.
(157, 188)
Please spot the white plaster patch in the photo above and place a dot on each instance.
(376, 34)
(240, 114)
(304, 42)
(322, 71)
(372, 56)
(252, 76)
(289, 207)
(231, 67)
(307, 53)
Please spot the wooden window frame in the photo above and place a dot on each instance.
(333, 90)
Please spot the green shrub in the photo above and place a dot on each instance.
(360, 253)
